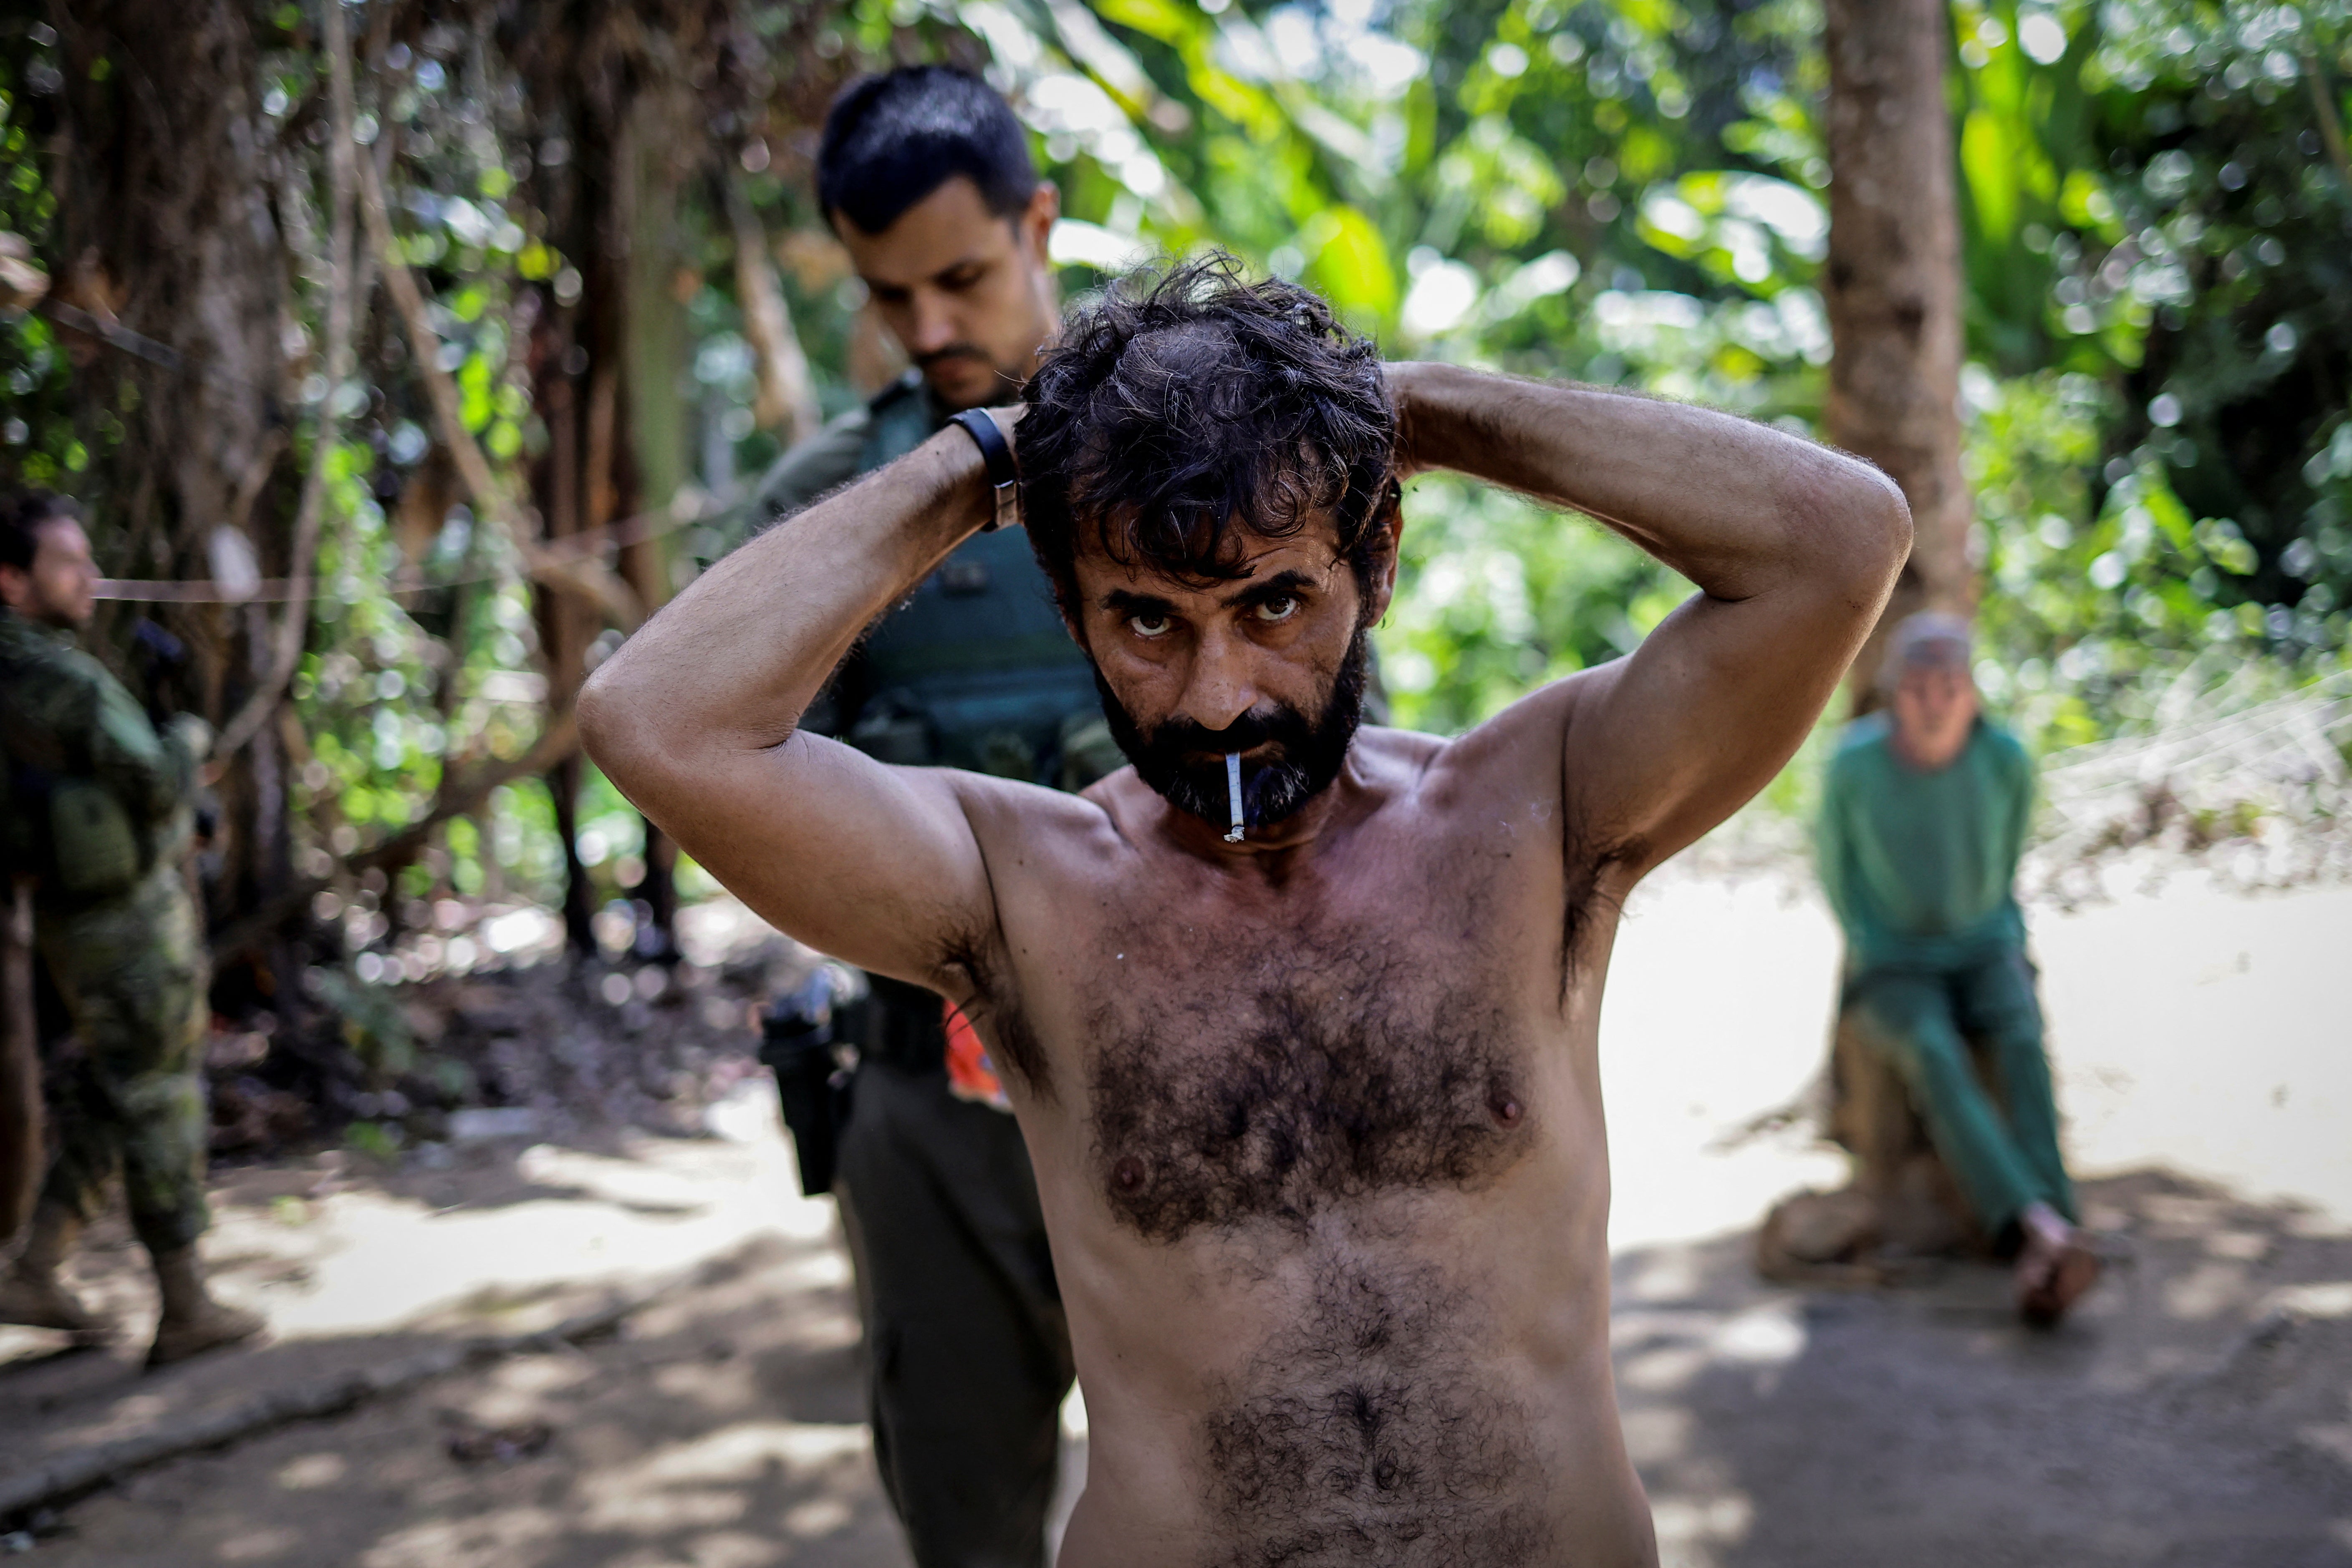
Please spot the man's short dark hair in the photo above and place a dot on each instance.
(23, 515)
(891, 140)
(1183, 410)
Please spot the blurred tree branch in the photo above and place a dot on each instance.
(584, 577)
(787, 401)
(294, 622)
(557, 742)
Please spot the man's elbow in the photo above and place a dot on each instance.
(610, 722)
(1886, 524)
(1861, 525)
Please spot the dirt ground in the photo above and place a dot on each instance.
(2198, 1412)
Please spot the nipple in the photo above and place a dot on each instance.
(1507, 1110)
(1128, 1173)
(1234, 794)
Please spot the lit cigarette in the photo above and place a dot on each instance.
(1234, 794)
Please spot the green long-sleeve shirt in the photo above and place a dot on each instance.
(1921, 867)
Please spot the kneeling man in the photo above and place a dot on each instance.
(1298, 1019)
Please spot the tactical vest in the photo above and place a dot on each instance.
(974, 668)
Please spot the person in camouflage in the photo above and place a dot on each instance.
(98, 812)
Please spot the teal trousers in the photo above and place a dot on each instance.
(2003, 1153)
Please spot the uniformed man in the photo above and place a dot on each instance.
(1924, 813)
(98, 808)
(926, 177)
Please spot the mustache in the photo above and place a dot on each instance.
(1246, 733)
(954, 351)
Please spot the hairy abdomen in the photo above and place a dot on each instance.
(1374, 1430)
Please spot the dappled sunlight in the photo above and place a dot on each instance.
(1778, 1428)
(359, 1267)
(722, 1423)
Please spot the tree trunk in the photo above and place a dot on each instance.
(1893, 288)
(608, 369)
(165, 218)
(23, 1145)
(650, 188)
(565, 626)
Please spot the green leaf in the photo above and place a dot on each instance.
(1988, 159)
(1350, 266)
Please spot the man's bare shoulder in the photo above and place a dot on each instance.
(1519, 749)
(1396, 761)
(1009, 816)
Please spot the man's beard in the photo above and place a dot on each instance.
(1305, 757)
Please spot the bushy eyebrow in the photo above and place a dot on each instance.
(1120, 602)
(1287, 584)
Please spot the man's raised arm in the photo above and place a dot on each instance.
(696, 719)
(1794, 547)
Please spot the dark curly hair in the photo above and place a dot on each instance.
(1187, 408)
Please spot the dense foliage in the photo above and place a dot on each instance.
(2157, 210)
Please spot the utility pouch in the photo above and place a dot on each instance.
(796, 1042)
(93, 846)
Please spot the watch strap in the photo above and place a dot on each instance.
(1004, 475)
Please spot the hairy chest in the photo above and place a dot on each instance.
(1269, 1075)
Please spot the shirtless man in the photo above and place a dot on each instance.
(1314, 1114)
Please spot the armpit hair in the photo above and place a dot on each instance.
(995, 1011)
(1587, 857)
(1588, 850)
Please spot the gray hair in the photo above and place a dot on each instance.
(1928, 640)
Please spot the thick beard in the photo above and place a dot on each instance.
(1307, 754)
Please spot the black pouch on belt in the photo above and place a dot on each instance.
(796, 1041)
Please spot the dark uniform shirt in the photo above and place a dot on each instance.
(974, 669)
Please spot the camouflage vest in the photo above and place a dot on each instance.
(63, 824)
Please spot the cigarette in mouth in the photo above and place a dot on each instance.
(1234, 794)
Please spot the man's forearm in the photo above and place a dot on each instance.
(738, 657)
(1733, 504)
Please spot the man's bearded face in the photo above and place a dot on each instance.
(1186, 761)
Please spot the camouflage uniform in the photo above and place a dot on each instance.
(98, 811)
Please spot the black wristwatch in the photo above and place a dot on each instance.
(1004, 476)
